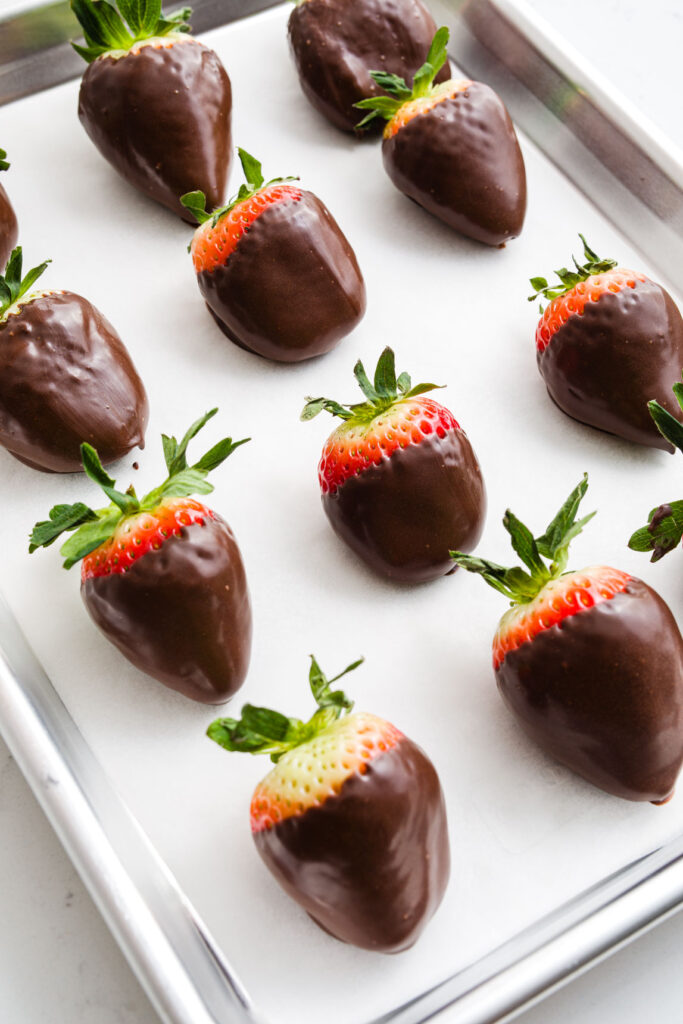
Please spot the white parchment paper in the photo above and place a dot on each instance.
(526, 835)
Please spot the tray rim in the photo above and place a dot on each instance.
(185, 975)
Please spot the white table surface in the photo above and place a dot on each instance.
(58, 963)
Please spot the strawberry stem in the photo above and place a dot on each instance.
(522, 586)
(262, 731)
(95, 526)
(398, 91)
(664, 529)
(12, 286)
(108, 25)
(195, 201)
(381, 395)
(570, 278)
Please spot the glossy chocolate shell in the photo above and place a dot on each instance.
(603, 693)
(404, 515)
(292, 288)
(461, 161)
(182, 613)
(66, 377)
(161, 117)
(604, 365)
(371, 864)
(336, 44)
(9, 229)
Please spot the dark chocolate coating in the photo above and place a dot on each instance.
(371, 864)
(182, 613)
(603, 693)
(461, 161)
(66, 377)
(603, 366)
(404, 515)
(161, 117)
(292, 288)
(336, 44)
(9, 229)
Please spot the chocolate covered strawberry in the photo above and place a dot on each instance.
(609, 340)
(589, 662)
(156, 102)
(452, 148)
(400, 482)
(9, 229)
(335, 42)
(65, 377)
(279, 277)
(162, 576)
(351, 820)
(664, 528)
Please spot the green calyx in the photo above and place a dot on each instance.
(386, 390)
(664, 529)
(195, 202)
(262, 731)
(12, 286)
(120, 25)
(3, 160)
(397, 89)
(517, 584)
(570, 278)
(94, 526)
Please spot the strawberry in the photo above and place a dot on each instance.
(400, 482)
(351, 821)
(65, 377)
(452, 148)
(155, 101)
(9, 229)
(334, 43)
(162, 575)
(664, 528)
(279, 277)
(609, 340)
(589, 662)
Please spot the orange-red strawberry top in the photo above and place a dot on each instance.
(355, 446)
(136, 535)
(573, 302)
(214, 241)
(568, 595)
(310, 774)
(412, 108)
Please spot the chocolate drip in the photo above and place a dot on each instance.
(292, 288)
(461, 161)
(181, 614)
(371, 864)
(9, 229)
(604, 365)
(161, 117)
(66, 377)
(602, 692)
(404, 515)
(336, 44)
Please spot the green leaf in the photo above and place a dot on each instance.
(663, 532)
(524, 545)
(323, 695)
(12, 286)
(195, 202)
(252, 170)
(554, 537)
(385, 375)
(392, 84)
(218, 454)
(3, 161)
(179, 461)
(364, 382)
(96, 471)
(422, 389)
(570, 278)
(89, 536)
(667, 425)
(62, 519)
(403, 383)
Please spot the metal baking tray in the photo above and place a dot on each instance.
(634, 179)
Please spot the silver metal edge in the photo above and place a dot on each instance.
(168, 947)
(635, 176)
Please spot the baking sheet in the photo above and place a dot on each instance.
(525, 834)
